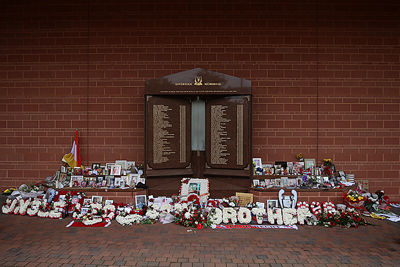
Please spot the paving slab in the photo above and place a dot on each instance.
(34, 241)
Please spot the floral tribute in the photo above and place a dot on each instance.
(191, 211)
(354, 199)
(191, 216)
(349, 218)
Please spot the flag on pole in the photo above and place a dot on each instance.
(73, 159)
(75, 151)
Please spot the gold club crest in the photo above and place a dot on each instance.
(198, 80)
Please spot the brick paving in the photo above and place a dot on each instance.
(26, 241)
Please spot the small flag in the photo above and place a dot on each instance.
(75, 151)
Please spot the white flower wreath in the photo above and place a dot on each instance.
(129, 219)
(215, 215)
(56, 213)
(259, 212)
(33, 209)
(23, 206)
(92, 221)
(244, 216)
(289, 216)
(167, 207)
(109, 212)
(275, 214)
(152, 214)
(229, 213)
(10, 206)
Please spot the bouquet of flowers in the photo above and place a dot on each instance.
(341, 218)
(353, 199)
(191, 217)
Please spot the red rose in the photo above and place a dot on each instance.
(199, 226)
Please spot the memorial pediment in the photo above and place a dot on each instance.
(198, 81)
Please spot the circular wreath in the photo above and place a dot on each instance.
(316, 208)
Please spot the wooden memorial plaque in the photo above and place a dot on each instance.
(168, 132)
(227, 138)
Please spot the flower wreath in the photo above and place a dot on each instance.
(329, 207)
(76, 215)
(244, 216)
(179, 207)
(9, 206)
(259, 213)
(316, 208)
(229, 213)
(23, 206)
(167, 208)
(44, 210)
(193, 197)
(56, 211)
(302, 204)
(212, 203)
(152, 214)
(129, 219)
(33, 209)
(108, 212)
(214, 215)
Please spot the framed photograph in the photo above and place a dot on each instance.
(95, 166)
(262, 183)
(134, 179)
(257, 163)
(104, 183)
(109, 202)
(277, 182)
(195, 185)
(87, 201)
(299, 181)
(130, 165)
(115, 169)
(256, 182)
(92, 182)
(110, 181)
(267, 182)
(117, 182)
(319, 179)
(292, 182)
(108, 165)
(140, 201)
(284, 181)
(272, 203)
(97, 199)
(309, 163)
(75, 181)
(122, 163)
(298, 166)
(103, 170)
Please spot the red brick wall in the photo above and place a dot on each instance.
(325, 78)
